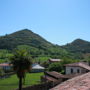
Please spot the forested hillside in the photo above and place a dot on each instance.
(35, 44)
(78, 45)
(39, 47)
(23, 37)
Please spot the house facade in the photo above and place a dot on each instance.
(5, 66)
(76, 68)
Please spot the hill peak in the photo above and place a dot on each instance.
(79, 41)
(23, 37)
(78, 46)
(24, 30)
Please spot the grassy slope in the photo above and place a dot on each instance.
(12, 82)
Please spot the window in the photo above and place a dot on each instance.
(78, 71)
(71, 70)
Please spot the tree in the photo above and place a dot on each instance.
(56, 67)
(21, 64)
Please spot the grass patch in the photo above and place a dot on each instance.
(3, 60)
(12, 82)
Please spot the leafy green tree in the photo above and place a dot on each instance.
(21, 64)
(45, 64)
(55, 67)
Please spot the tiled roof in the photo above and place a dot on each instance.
(49, 78)
(4, 64)
(79, 64)
(81, 82)
(37, 66)
(55, 74)
(59, 75)
(55, 60)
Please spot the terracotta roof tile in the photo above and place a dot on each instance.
(81, 82)
(55, 74)
(4, 64)
(59, 75)
(49, 78)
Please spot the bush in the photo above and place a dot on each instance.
(1, 72)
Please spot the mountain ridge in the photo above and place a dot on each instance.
(78, 45)
(26, 37)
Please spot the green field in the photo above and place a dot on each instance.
(12, 82)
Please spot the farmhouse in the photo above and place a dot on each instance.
(76, 68)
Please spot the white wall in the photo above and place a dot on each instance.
(68, 70)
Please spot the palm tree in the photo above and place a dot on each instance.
(21, 64)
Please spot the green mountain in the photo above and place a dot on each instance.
(77, 46)
(23, 37)
(32, 42)
(39, 46)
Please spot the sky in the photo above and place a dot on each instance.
(58, 21)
